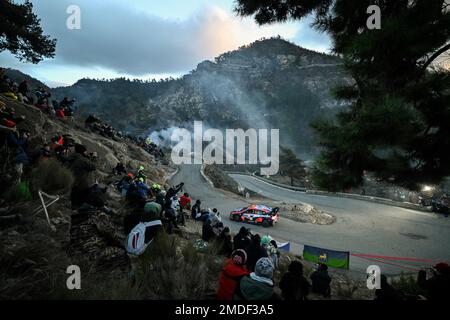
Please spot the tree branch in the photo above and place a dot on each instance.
(435, 55)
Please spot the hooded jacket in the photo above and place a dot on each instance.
(229, 279)
(252, 289)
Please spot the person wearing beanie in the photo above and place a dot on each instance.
(232, 273)
(259, 284)
(293, 284)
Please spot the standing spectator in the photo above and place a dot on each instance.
(225, 243)
(185, 203)
(232, 273)
(254, 252)
(321, 281)
(242, 239)
(293, 284)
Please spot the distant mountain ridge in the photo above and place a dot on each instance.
(270, 83)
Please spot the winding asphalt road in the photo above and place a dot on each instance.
(361, 226)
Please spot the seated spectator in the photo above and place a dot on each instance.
(8, 116)
(258, 285)
(232, 273)
(142, 189)
(242, 239)
(124, 184)
(255, 252)
(196, 210)
(42, 100)
(152, 211)
(225, 243)
(438, 286)
(19, 143)
(91, 119)
(208, 233)
(293, 284)
(387, 292)
(140, 173)
(321, 281)
(120, 169)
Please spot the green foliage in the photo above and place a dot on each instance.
(290, 165)
(21, 33)
(397, 122)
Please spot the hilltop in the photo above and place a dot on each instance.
(270, 83)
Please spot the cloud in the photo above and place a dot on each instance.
(120, 38)
(117, 36)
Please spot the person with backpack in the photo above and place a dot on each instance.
(259, 284)
(141, 229)
(232, 272)
(321, 281)
(293, 284)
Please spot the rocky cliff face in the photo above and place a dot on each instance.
(268, 84)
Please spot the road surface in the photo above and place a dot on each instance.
(361, 227)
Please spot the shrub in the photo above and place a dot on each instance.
(51, 177)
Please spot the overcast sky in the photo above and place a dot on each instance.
(147, 38)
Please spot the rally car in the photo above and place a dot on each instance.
(257, 214)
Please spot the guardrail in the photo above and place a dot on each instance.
(406, 205)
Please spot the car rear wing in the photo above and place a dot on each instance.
(275, 210)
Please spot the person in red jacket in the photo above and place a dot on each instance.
(185, 203)
(232, 273)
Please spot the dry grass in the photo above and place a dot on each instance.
(51, 177)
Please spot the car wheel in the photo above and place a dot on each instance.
(265, 224)
(236, 217)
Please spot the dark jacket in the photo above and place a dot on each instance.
(437, 287)
(195, 210)
(225, 244)
(208, 232)
(241, 242)
(321, 283)
(250, 289)
(294, 286)
(254, 253)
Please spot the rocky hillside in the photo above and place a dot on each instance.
(270, 83)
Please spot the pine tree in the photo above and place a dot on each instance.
(21, 33)
(397, 123)
(290, 165)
